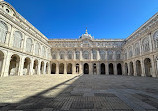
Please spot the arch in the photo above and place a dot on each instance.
(94, 68)
(42, 67)
(35, 67)
(102, 68)
(86, 68)
(131, 68)
(77, 68)
(69, 55)
(137, 49)
(145, 44)
(148, 67)
(53, 71)
(14, 65)
(61, 68)
(29, 45)
(3, 32)
(1, 62)
(37, 48)
(130, 51)
(69, 68)
(119, 69)
(61, 54)
(53, 55)
(111, 69)
(126, 69)
(17, 39)
(138, 68)
(26, 67)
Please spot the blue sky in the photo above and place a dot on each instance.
(105, 19)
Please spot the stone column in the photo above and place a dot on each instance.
(39, 67)
(90, 68)
(115, 68)
(81, 68)
(98, 56)
(123, 68)
(7, 64)
(153, 73)
(57, 68)
(107, 68)
(91, 53)
(31, 67)
(57, 55)
(140, 44)
(134, 68)
(44, 68)
(129, 69)
(74, 57)
(21, 66)
(81, 55)
(150, 43)
(65, 68)
(73, 68)
(98, 68)
(10, 37)
(142, 67)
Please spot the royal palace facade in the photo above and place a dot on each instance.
(24, 50)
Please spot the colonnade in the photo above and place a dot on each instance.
(12, 64)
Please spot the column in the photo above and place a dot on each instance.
(150, 42)
(9, 37)
(98, 68)
(134, 68)
(39, 67)
(74, 57)
(115, 68)
(31, 67)
(140, 44)
(153, 67)
(80, 54)
(129, 69)
(91, 53)
(57, 55)
(44, 68)
(73, 68)
(65, 68)
(7, 64)
(81, 68)
(21, 66)
(107, 68)
(49, 68)
(57, 68)
(90, 68)
(142, 67)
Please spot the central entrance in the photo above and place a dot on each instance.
(86, 68)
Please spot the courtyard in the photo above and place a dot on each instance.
(78, 93)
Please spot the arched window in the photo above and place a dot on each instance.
(29, 44)
(102, 54)
(54, 55)
(3, 31)
(77, 55)
(17, 39)
(94, 54)
(130, 52)
(61, 54)
(110, 55)
(118, 55)
(86, 55)
(37, 48)
(145, 44)
(156, 39)
(137, 49)
(43, 51)
(69, 54)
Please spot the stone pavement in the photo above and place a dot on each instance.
(78, 93)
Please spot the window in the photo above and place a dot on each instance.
(29, 44)
(130, 52)
(156, 39)
(69, 54)
(77, 55)
(61, 54)
(86, 55)
(118, 55)
(3, 31)
(17, 39)
(54, 55)
(94, 54)
(37, 48)
(137, 49)
(110, 55)
(102, 54)
(145, 44)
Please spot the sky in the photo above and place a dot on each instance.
(68, 19)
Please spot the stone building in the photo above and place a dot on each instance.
(24, 50)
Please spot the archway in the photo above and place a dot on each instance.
(131, 68)
(119, 69)
(148, 67)
(61, 68)
(94, 68)
(126, 69)
(53, 71)
(86, 68)
(111, 69)
(42, 67)
(102, 68)
(1, 61)
(77, 68)
(26, 68)
(138, 68)
(35, 67)
(69, 68)
(14, 65)
(47, 65)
